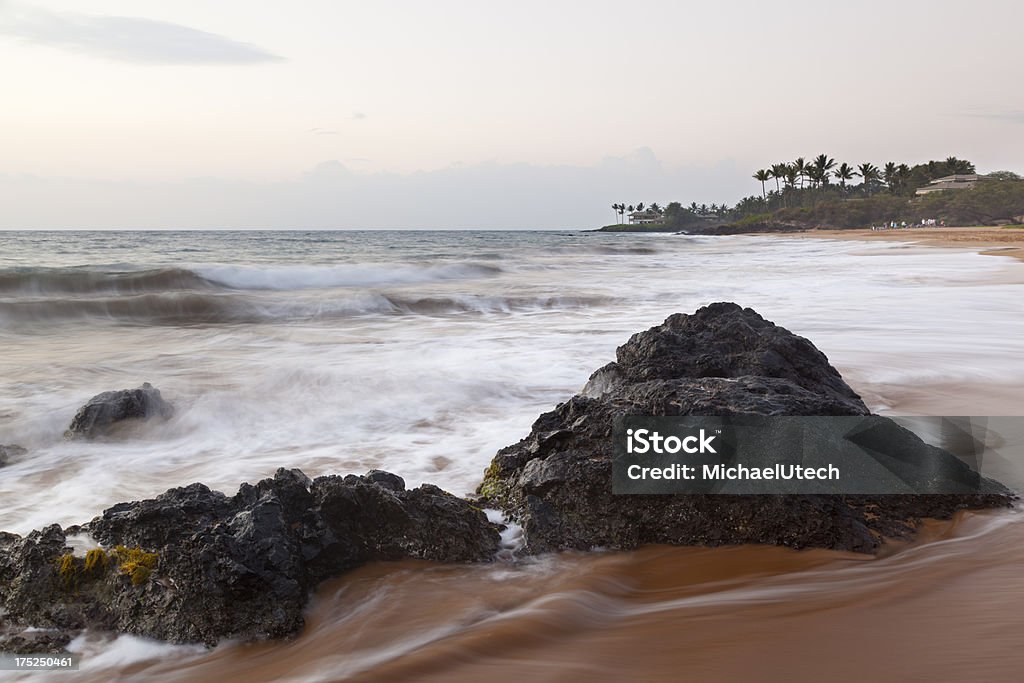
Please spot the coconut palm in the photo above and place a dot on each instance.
(889, 175)
(761, 175)
(843, 173)
(959, 166)
(791, 175)
(640, 206)
(815, 175)
(800, 166)
(778, 172)
(823, 163)
(869, 173)
(655, 208)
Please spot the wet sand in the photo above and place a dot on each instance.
(988, 240)
(945, 607)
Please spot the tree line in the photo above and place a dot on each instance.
(822, 191)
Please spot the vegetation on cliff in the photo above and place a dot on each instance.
(821, 193)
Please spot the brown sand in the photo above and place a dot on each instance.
(988, 240)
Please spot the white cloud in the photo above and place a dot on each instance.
(130, 39)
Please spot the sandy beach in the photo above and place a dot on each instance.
(989, 240)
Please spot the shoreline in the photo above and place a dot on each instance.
(990, 241)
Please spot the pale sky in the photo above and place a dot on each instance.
(452, 113)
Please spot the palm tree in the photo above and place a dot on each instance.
(889, 175)
(655, 208)
(800, 166)
(869, 173)
(615, 208)
(791, 175)
(693, 207)
(763, 176)
(778, 172)
(902, 175)
(703, 209)
(843, 173)
(640, 206)
(959, 166)
(823, 163)
(815, 175)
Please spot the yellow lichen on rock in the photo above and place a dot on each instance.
(136, 563)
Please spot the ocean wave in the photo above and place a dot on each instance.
(39, 281)
(343, 275)
(83, 281)
(199, 308)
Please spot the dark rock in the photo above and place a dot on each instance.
(22, 642)
(10, 451)
(104, 411)
(722, 360)
(232, 567)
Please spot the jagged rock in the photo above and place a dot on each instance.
(722, 360)
(194, 565)
(104, 411)
(8, 452)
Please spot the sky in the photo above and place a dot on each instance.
(466, 114)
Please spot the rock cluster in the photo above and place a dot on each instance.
(722, 360)
(195, 565)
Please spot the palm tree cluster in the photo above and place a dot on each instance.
(819, 172)
(621, 209)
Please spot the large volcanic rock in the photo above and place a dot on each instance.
(104, 411)
(194, 565)
(722, 360)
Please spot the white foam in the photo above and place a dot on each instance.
(289, 277)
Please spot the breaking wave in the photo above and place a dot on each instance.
(199, 308)
(83, 281)
(40, 281)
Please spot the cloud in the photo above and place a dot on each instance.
(1012, 116)
(333, 196)
(129, 39)
(357, 116)
(323, 131)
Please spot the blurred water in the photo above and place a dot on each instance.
(425, 352)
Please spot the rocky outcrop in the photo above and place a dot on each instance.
(195, 565)
(9, 452)
(722, 360)
(105, 411)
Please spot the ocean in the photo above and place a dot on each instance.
(423, 353)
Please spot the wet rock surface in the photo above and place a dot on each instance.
(722, 360)
(9, 452)
(105, 411)
(195, 565)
